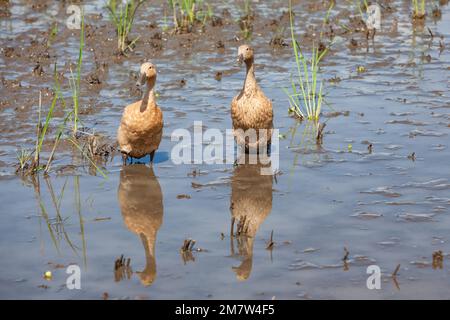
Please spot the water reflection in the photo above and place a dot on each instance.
(57, 224)
(307, 144)
(250, 204)
(141, 203)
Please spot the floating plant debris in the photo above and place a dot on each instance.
(397, 268)
(416, 217)
(367, 215)
(122, 269)
(270, 243)
(384, 191)
(438, 259)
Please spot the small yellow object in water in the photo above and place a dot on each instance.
(350, 147)
(361, 69)
(48, 275)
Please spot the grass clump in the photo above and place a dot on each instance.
(186, 13)
(306, 97)
(29, 164)
(68, 129)
(246, 20)
(122, 14)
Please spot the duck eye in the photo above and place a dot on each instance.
(246, 49)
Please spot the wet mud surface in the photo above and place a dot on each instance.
(376, 192)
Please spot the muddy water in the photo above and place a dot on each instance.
(385, 206)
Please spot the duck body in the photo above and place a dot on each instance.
(251, 109)
(140, 132)
(141, 127)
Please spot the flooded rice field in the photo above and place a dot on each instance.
(375, 192)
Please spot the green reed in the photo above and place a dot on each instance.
(419, 8)
(122, 14)
(74, 81)
(306, 97)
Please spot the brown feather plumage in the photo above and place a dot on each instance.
(251, 109)
(140, 130)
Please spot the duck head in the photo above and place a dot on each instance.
(245, 54)
(147, 72)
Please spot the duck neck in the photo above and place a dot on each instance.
(250, 84)
(150, 266)
(149, 99)
(148, 240)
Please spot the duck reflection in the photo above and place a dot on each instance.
(141, 203)
(250, 204)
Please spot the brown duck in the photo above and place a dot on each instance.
(251, 203)
(251, 109)
(141, 127)
(141, 204)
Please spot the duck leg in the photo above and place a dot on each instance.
(152, 155)
(124, 159)
(269, 148)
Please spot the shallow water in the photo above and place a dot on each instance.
(385, 208)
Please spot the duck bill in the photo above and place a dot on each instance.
(240, 59)
(141, 80)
